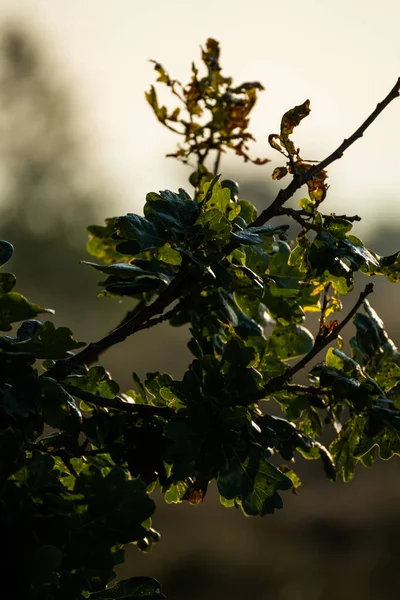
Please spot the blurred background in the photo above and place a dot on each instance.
(79, 143)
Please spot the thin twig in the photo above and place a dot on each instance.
(299, 180)
(297, 216)
(144, 410)
(165, 317)
(67, 455)
(313, 393)
(320, 342)
(217, 161)
(305, 389)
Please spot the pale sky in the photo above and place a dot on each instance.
(344, 56)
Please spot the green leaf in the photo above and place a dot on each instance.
(383, 432)
(344, 448)
(311, 425)
(299, 254)
(135, 288)
(372, 342)
(295, 479)
(175, 492)
(160, 111)
(220, 198)
(306, 204)
(101, 243)
(44, 342)
(114, 504)
(292, 404)
(175, 213)
(6, 252)
(97, 381)
(130, 589)
(14, 307)
(254, 482)
(58, 408)
(7, 282)
(389, 266)
(155, 382)
(238, 354)
(356, 249)
(141, 233)
(247, 211)
(38, 473)
(253, 235)
(215, 225)
(168, 255)
(289, 342)
(337, 227)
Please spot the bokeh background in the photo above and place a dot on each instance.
(79, 143)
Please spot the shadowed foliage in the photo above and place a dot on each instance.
(81, 457)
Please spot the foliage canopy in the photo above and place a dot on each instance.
(80, 458)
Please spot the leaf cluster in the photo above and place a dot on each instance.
(212, 115)
(80, 457)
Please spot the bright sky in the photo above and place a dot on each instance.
(342, 55)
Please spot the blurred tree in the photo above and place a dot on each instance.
(47, 189)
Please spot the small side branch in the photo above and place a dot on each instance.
(346, 217)
(143, 410)
(298, 216)
(299, 180)
(320, 343)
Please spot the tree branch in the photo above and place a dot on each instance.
(141, 320)
(143, 410)
(299, 180)
(306, 389)
(346, 217)
(320, 342)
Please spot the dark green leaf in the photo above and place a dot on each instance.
(289, 342)
(14, 308)
(7, 282)
(6, 252)
(344, 448)
(254, 482)
(43, 341)
(97, 381)
(141, 233)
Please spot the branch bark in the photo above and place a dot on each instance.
(299, 180)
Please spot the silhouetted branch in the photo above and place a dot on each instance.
(299, 180)
(139, 321)
(144, 410)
